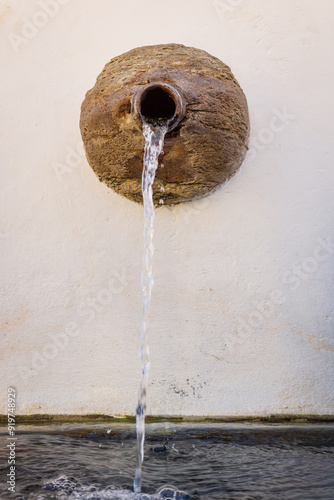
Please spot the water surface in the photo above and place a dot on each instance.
(208, 462)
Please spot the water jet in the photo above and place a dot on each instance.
(181, 102)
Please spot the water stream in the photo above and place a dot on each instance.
(154, 138)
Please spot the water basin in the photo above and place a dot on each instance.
(188, 460)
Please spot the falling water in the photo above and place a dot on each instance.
(154, 138)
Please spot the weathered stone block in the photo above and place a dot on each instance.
(208, 136)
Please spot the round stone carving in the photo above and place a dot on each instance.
(198, 96)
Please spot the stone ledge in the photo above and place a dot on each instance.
(91, 418)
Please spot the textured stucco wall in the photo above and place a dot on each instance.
(242, 311)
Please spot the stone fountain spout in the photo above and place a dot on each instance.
(199, 98)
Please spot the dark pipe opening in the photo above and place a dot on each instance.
(157, 103)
